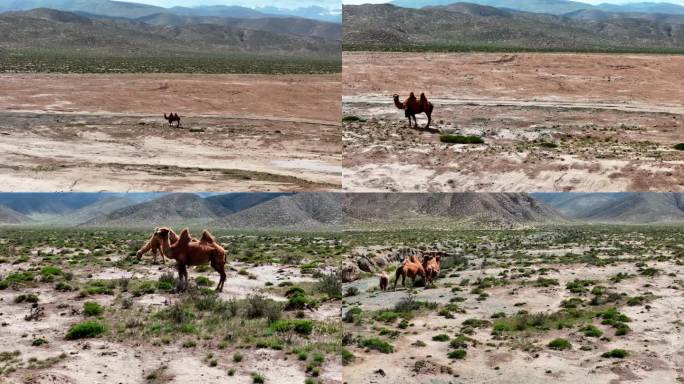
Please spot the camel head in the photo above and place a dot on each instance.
(162, 232)
(397, 102)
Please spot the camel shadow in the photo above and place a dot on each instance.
(426, 129)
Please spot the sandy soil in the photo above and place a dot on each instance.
(105, 361)
(615, 119)
(655, 341)
(106, 132)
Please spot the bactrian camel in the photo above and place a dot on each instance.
(411, 268)
(173, 117)
(188, 253)
(413, 107)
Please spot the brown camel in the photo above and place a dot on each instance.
(187, 253)
(432, 264)
(173, 117)
(384, 280)
(410, 268)
(413, 107)
(154, 244)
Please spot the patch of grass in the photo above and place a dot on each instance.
(441, 337)
(458, 354)
(237, 357)
(203, 281)
(592, 331)
(302, 327)
(559, 344)
(352, 119)
(347, 357)
(87, 329)
(15, 279)
(377, 344)
(91, 308)
(258, 378)
(26, 298)
(459, 139)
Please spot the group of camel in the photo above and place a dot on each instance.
(428, 269)
(187, 251)
(413, 106)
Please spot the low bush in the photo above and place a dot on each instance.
(85, 330)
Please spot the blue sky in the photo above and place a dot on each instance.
(330, 4)
(680, 2)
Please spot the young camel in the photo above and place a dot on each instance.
(413, 107)
(384, 280)
(410, 268)
(188, 253)
(154, 244)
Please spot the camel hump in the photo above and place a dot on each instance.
(184, 236)
(424, 101)
(207, 237)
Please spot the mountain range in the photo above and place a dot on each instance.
(163, 34)
(301, 211)
(131, 10)
(480, 209)
(306, 211)
(555, 7)
(617, 207)
(474, 25)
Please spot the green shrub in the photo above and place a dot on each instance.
(258, 378)
(237, 357)
(347, 357)
(559, 344)
(457, 354)
(26, 298)
(377, 344)
(203, 281)
(302, 327)
(85, 330)
(592, 331)
(616, 353)
(459, 139)
(442, 337)
(546, 144)
(91, 308)
(48, 272)
(679, 147)
(387, 316)
(16, 278)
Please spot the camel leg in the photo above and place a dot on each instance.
(222, 271)
(154, 252)
(144, 249)
(429, 116)
(182, 276)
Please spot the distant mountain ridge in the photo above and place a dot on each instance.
(472, 25)
(52, 29)
(132, 10)
(497, 209)
(290, 211)
(641, 208)
(10, 216)
(554, 7)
